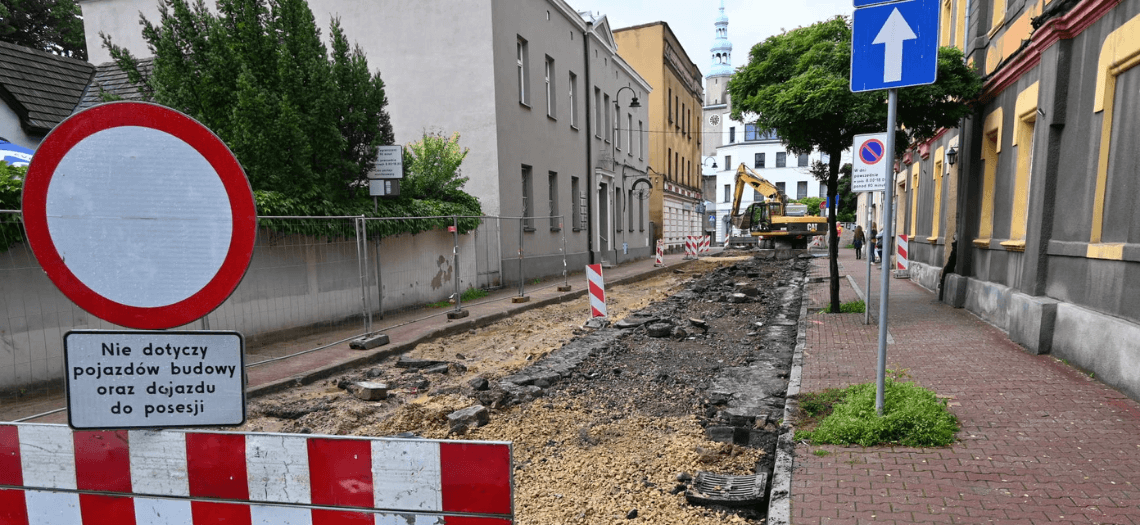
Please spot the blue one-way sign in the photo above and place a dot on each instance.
(894, 45)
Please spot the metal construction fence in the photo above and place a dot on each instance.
(307, 275)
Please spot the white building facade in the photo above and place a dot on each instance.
(731, 142)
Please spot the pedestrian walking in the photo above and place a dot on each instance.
(873, 242)
(879, 247)
(858, 242)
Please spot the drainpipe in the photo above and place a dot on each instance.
(589, 96)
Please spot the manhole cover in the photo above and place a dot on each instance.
(720, 489)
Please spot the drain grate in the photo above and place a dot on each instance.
(721, 489)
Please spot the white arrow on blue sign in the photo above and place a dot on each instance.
(894, 45)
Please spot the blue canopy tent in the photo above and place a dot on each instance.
(15, 155)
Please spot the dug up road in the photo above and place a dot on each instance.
(607, 424)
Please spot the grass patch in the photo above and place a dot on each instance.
(853, 307)
(468, 295)
(912, 416)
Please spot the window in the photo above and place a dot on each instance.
(555, 221)
(944, 32)
(802, 161)
(684, 121)
(640, 144)
(550, 100)
(676, 164)
(524, 82)
(750, 132)
(677, 108)
(759, 160)
(801, 190)
(629, 134)
(1026, 115)
(991, 147)
(728, 162)
(608, 121)
(669, 163)
(576, 218)
(756, 197)
(731, 134)
(823, 191)
(780, 186)
(597, 113)
(629, 203)
(781, 159)
(573, 99)
(915, 172)
(939, 155)
(825, 158)
(617, 129)
(617, 210)
(527, 199)
(669, 98)
(727, 192)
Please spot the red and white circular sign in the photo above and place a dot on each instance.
(139, 214)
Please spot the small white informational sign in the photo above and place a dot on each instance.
(869, 171)
(154, 379)
(389, 163)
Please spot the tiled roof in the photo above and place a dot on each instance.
(42, 88)
(110, 79)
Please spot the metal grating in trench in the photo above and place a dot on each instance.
(721, 489)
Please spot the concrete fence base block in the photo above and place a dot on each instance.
(521, 299)
(955, 294)
(565, 288)
(458, 314)
(369, 342)
(1031, 322)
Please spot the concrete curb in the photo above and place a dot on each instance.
(372, 356)
(780, 499)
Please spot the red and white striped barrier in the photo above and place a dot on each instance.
(901, 261)
(692, 244)
(597, 290)
(660, 254)
(50, 474)
(705, 241)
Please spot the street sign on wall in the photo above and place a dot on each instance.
(869, 169)
(894, 45)
(153, 379)
(139, 214)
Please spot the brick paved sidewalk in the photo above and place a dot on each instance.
(1040, 442)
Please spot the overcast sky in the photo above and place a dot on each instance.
(749, 21)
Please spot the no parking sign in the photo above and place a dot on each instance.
(869, 172)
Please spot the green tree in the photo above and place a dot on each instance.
(55, 26)
(303, 123)
(798, 83)
(432, 167)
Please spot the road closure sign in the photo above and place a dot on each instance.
(139, 214)
(869, 171)
(154, 379)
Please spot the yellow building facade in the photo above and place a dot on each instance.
(673, 131)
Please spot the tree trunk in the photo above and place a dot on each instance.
(832, 233)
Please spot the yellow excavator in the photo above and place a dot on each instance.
(774, 222)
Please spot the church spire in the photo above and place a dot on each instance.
(721, 48)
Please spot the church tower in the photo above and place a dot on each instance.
(715, 111)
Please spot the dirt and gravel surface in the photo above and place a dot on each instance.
(607, 424)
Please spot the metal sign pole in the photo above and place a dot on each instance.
(868, 242)
(884, 279)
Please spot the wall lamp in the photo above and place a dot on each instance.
(952, 156)
(708, 158)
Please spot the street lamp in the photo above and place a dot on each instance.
(703, 159)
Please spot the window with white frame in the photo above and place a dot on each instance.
(524, 83)
(573, 99)
(551, 106)
(527, 199)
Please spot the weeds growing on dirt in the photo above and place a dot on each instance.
(819, 452)
(853, 307)
(912, 416)
(468, 295)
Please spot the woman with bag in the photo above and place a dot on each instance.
(858, 242)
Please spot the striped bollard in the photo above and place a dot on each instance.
(705, 242)
(660, 255)
(597, 289)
